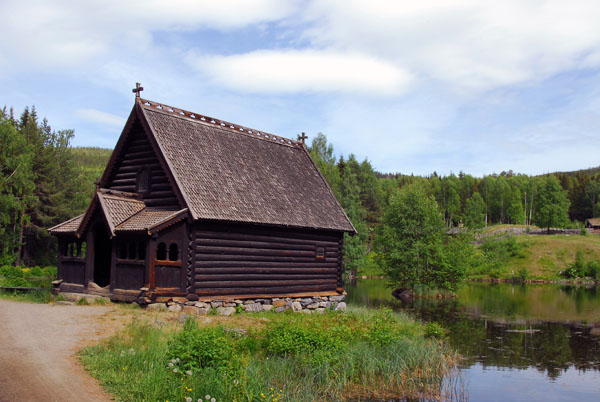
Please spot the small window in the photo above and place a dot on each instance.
(132, 250)
(320, 252)
(161, 251)
(173, 252)
(83, 249)
(141, 250)
(65, 250)
(123, 251)
(143, 180)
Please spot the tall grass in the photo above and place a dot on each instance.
(289, 357)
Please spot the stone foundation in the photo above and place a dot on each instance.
(306, 305)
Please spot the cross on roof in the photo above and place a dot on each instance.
(138, 88)
(302, 137)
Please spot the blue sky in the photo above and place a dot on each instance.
(415, 87)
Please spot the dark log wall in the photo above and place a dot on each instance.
(244, 260)
(137, 155)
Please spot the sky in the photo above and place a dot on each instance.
(415, 87)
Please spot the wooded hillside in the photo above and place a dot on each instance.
(44, 181)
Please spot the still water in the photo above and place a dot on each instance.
(519, 342)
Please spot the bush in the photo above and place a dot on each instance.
(434, 330)
(522, 274)
(202, 348)
(15, 283)
(284, 340)
(36, 271)
(593, 269)
(11, 272)
(50, 271)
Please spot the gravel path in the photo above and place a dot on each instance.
(38, 346)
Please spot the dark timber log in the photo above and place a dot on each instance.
(332, 283)
(266, 277)
(263, 290)
(279, 270)
(264, 258)
(253, 251)
(288, 238)
(262, 264)
(254, 244)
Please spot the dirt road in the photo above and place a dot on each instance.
(38, 345)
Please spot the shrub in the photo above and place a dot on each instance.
(593, 269)
(15, 282)
(434, 330)
(522, 274)
(36, 271)
(11, 272)
(202, 348)
(284, 340)
(50, 271)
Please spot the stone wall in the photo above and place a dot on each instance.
(307, 305)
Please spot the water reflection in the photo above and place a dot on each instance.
(512, 332)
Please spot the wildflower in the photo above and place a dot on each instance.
(175, 370)
(188, 399)
(213, 400)
(189, 372)
(173, 361)
(236, 382)
(177, 360)
(207, 397)
(170, 364)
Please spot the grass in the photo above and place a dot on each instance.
(273, 357)
(543, 257)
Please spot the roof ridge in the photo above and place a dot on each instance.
(237, 128)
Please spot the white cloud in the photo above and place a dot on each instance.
(53, 33)
(290, 71)
(469, 44)
(98, 116)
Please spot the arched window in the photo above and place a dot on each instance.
(161, 251)
(173, 252)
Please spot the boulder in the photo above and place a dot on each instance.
(341, 306)
(175, 308)
(281, 309)
(226, 311)
(296, 306)
(279, 303)
(253, 308)
(267, 307)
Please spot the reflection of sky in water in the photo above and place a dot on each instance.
(501, 384)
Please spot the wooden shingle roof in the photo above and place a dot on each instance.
(67, 227)
(227, 172)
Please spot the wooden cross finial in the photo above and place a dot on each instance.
(138, 88)
(302, 137)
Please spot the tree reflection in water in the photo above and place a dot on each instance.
(546, 327)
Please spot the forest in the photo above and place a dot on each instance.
(44, 180)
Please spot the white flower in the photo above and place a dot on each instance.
(170, 364)
(236, 382)
(177, 360)
(189, 372)
(212, 399)
(174, 370)
(207, 397)
(173, 361)
(188, 399)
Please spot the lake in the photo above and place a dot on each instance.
(534, 342)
